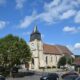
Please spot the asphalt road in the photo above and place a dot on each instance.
(34, 77)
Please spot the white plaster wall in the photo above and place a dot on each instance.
(55, 59)
(36, 64)
(40, 58)
(37, 53)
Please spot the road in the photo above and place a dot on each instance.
(26, 78)
(35, 76)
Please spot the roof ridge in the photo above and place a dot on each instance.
(48, 44)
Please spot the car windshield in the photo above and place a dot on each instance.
(53, 74)
(78, 78)
(70, 77)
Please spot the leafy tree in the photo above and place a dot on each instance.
(13, 51)
(62, 61)
(70, 60)
(65, 60)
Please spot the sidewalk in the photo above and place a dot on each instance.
(50, 70)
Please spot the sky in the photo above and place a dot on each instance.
(58, 21)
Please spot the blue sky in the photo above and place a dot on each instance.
(57, 20)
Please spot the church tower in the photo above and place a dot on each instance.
(35, 35)
(36, 46)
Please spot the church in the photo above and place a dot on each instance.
(45, 55)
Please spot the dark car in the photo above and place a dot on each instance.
(2, 77)
(2, 69)
(70, 76)
(50, 76)
(78, 78)
(14, 70)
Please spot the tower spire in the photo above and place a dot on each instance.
(35, 34)
(35, 29)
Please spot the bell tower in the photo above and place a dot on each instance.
(35, 34)
(36, 47)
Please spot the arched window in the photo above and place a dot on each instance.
(32, 61)
(51, 59)
(46, 59)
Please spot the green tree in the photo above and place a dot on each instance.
(62, 61)
(65, 60)
(13, 51)
(69, 60)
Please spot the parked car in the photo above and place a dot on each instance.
(2, 69)
(50, 76)
(2, 77)
(15, 70)
(78, 78)
(70, 75)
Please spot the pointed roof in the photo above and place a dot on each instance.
(35, 30)
(35, 34)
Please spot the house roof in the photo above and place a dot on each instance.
(50, 49)
(56, 49)
(77, 61)
(64, 50)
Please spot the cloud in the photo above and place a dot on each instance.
(20, 4)
(26, 21)
(26, 33)
(52, 12)
(2, 2)
(42, 35)
(3, 24)
(71, 29)
(74, 48)
(60, 9)
(68, 14)
(77, 17)
(77, 46)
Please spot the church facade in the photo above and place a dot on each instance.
(45, 55)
